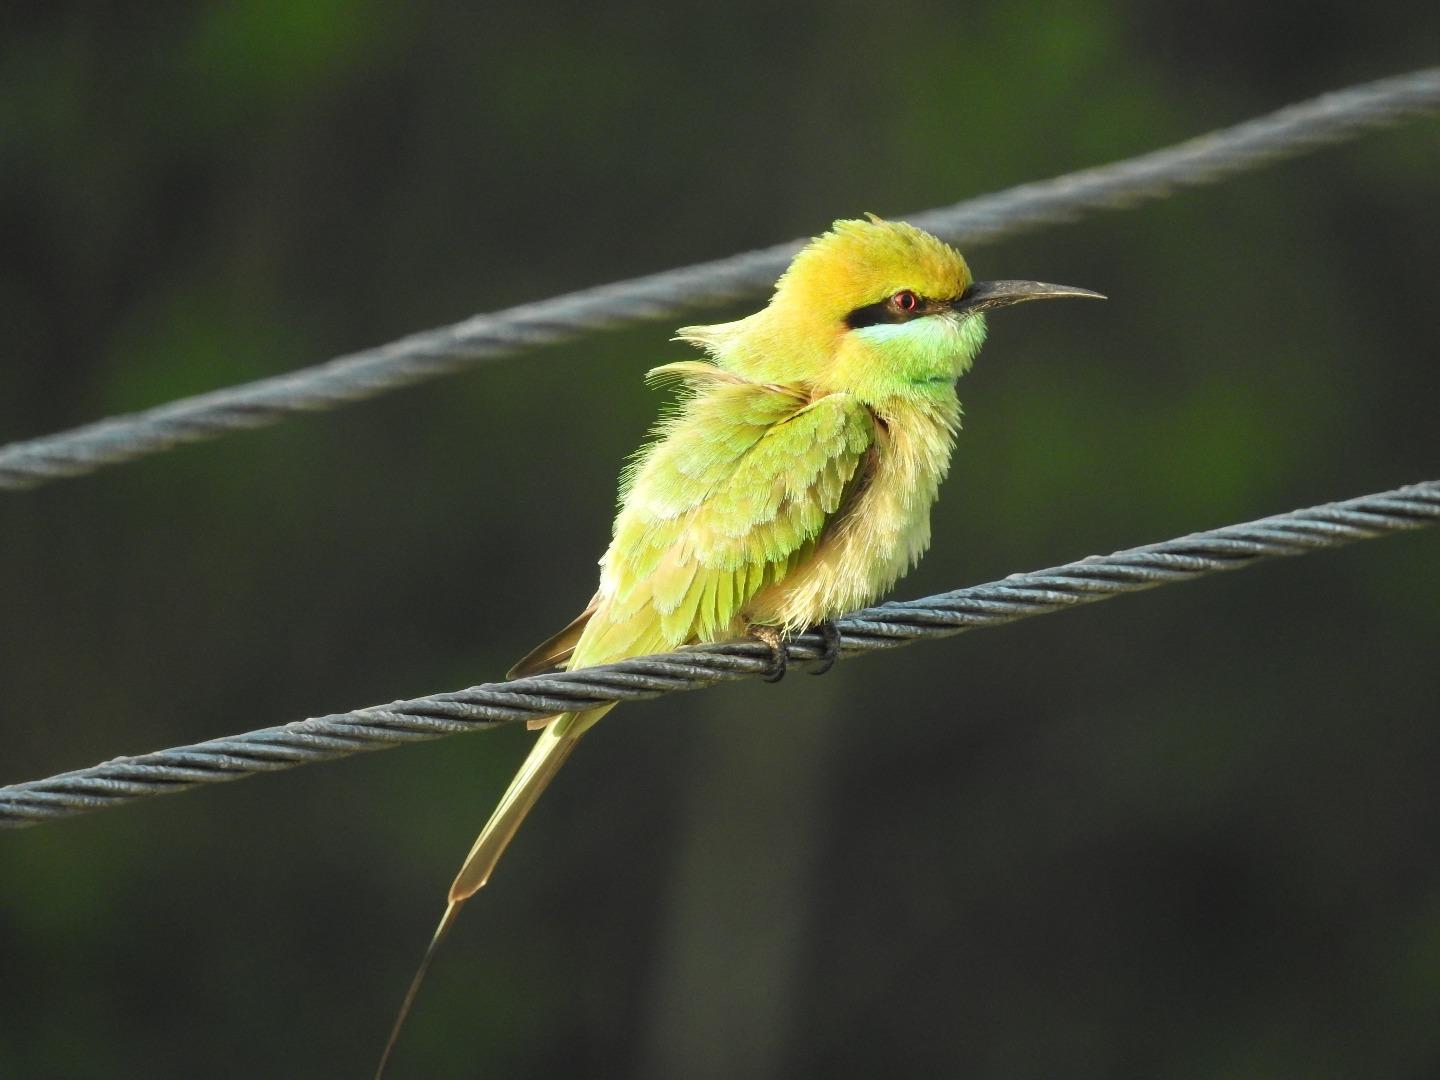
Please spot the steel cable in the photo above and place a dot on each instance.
(1296, 129)
(889, 625)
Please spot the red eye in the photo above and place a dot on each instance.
(906, 300)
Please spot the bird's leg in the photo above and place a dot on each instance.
(831, 634)
(773, 637)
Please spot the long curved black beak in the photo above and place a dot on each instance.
(984, 295)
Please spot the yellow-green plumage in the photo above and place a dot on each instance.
(792, 483)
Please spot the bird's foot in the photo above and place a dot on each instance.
(831, 634)
(773, 637)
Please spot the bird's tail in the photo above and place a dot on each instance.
(546, 756)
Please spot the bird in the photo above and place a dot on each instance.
(791, 482)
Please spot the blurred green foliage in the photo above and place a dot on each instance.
(1191, 834)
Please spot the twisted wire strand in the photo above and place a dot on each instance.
(1293, 130)
(887, 626)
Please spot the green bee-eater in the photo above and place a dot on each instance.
(792, 484)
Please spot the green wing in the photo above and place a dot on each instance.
(734, 494)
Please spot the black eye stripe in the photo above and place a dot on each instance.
(886, 311)
(882, 311)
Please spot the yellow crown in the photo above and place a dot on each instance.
(862, 261)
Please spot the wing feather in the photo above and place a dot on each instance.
(554, 650)
(736, 492)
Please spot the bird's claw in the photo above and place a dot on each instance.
(774, 639)
(831, 635)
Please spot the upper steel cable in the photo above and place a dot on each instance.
(886, 626)
(1293, 130)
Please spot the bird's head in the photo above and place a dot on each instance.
(872, 307)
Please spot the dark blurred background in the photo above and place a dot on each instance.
(1194, 833)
